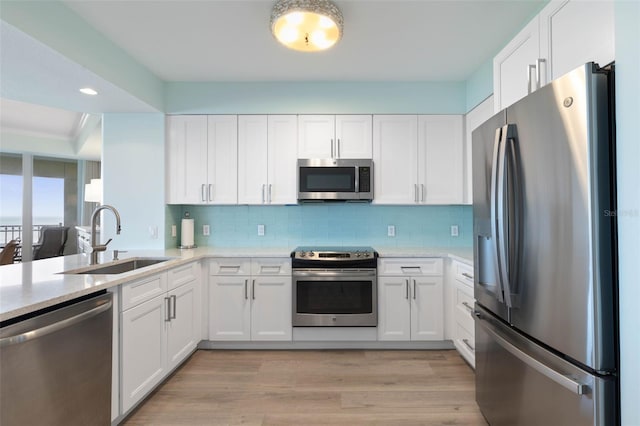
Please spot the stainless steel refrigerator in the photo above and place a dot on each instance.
(545, 256)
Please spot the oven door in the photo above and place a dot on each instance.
(335, 297)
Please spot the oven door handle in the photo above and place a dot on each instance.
(335, 273)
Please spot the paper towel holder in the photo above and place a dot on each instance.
(190, 246)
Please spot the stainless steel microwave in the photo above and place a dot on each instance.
(335, 180)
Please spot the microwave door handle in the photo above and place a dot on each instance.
(357, 180)
(494, 212)
(332, 150)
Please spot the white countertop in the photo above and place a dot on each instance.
(29, 286)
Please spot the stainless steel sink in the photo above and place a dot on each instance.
(119, 267)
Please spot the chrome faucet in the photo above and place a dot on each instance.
(95, 248)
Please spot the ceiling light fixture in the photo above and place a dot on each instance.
(88, 91)
(306, 25)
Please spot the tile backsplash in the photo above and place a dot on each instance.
(325, 224)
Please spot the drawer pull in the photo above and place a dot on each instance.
(469, 307)
(270, 269)
(466, 342)
(230, 268)
(466, 275)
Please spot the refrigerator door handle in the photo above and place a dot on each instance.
(514, 211)
(503, 218)
(550, 373)
(495, 179)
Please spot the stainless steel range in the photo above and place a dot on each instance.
(335, 287)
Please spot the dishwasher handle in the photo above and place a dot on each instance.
(57, 326)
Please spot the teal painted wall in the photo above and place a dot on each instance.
(316, 98)
(327, 224)
(133, 179)
(479, 86)
(627, 16)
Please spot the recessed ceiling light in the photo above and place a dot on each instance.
(88, 91)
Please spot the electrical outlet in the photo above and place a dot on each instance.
(206, 230)
(174, 232)
(454, 230)
(391, 231)
(260, 230)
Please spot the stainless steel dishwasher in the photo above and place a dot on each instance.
(55, 368)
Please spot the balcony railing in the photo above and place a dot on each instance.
(14, 232)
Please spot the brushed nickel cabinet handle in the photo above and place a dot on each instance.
(466, 275)
(469, 307)
(407, 286)
(202, 192)
(466, 342)
(253, 290)
(246, 293)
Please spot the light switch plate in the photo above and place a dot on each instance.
(454, 230)
(391, 231)
(206, 230)
(260, 230)
(174, 232)
(153, 232)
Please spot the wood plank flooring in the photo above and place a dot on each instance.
(352, 387)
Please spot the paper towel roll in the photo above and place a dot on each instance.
(186, 233)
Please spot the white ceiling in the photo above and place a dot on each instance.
(384, 40)
(222, 40)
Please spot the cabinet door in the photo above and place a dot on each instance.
(511, 66)
(271, 308)
(252, 159)
(354, 136)
(440, 159)
(143, 345)
(395, 149)
(186, 159)
(222, 159)
(316, 134)
(473, 119)
(394, 316)
(575, 32)
(181, 336)
(427, 313)
(229, 308)
(282, 156)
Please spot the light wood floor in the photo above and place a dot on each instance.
(354, 387)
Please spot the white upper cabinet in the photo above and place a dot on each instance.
(201, 159)
(395, 153)
(576, 32)
(222, 149)
(186, 158)
(282, 157)
(418, 159)
(334, 136)
(353, 136)
(473, 119)
(267, 159)
(440, 159)
(252, 159)
(563, 36)
(514, 68)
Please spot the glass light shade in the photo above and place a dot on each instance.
(306, 25)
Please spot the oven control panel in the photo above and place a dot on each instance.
(337, 255)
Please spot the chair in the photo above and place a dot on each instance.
(7, 253)
(51, 243)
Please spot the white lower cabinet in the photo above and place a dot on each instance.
(410, 299)
(159, 329)
(463, 321)
(250, 299)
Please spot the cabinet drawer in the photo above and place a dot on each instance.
(230, 266)
(183, 275)
(466, 337)
(142, 290)
(271, 266)
(463, 273)
(410, 266)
